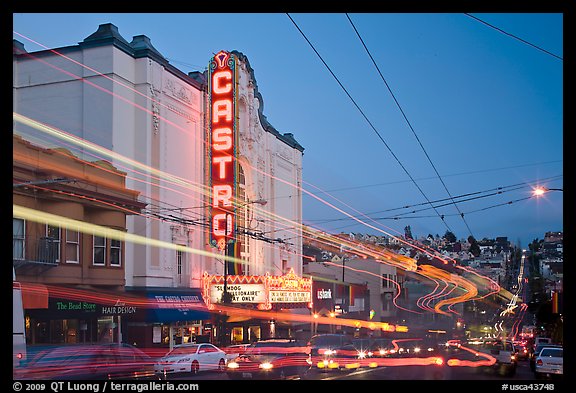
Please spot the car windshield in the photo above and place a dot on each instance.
(552, 352)
(183, 350)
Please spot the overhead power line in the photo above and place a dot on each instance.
(409, 124)
(427, 178)
(513, 36)
(468, 197)
(368, 120)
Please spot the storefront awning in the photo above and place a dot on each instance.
(294, 316)
(238, 318)
(34, 296)
(175, 304)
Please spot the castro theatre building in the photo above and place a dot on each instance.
(211, 170)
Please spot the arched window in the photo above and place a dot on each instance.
(242, 214)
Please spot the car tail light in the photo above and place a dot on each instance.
(539, 362)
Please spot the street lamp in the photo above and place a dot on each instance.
(539, 191)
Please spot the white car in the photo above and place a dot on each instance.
(192, 358)
(550, 361)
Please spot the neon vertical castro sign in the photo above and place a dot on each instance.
(222, 135)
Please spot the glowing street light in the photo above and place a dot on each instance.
(539, 191)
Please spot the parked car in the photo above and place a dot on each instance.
(192, 358)
(88, 362)
(549, 362)
(270, 359)
(537, 351)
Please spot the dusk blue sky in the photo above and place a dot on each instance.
(486, 107)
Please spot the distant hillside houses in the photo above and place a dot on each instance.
(552, 260)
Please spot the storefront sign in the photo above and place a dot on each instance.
(75, 306)
(324, 294)
(289, 297)
(222, 85)
(262, 290)
(119, 308)
(241, 293)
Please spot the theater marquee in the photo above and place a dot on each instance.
(262, 291)
(222, 137)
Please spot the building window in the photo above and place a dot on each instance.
(72, 246)
(284, 266)
(179, 258)
(243, 212)
(115, 252)
(18, 237)
(99, 251)
(53, 234)
(386, 280)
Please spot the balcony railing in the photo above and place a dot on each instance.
(35, 251)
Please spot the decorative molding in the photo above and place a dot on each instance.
(154, 93)
(179, 112)
(178, 91)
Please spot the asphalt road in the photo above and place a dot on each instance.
(523, 373)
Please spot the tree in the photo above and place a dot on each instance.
(450, 237)
(408, 232)
(474, 247)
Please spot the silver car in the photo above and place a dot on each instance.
(549, 362)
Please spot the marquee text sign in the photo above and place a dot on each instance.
(261, 290)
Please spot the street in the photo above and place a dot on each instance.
(523, 373)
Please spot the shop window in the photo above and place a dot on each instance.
(254, 333)
(106, 330)
(165, 334)
(237, 334)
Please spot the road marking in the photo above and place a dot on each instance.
(353, 373)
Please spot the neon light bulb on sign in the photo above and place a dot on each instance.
(221, 108)
(222, 193)
(221, 163)
(222, 138)
(217, 77)
(227, 228)
(222, 126)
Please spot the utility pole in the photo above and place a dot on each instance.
(343, 285)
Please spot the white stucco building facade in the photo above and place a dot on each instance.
(126, 104)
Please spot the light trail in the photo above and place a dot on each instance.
(394, 260)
